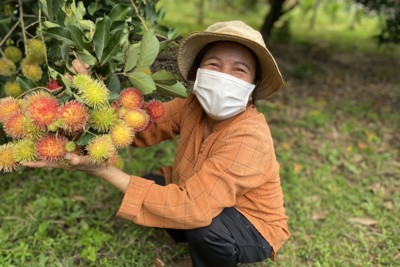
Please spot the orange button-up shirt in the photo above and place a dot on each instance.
(235, 166)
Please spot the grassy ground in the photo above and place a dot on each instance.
(335, 128)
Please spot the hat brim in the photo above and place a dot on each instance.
(271, 79)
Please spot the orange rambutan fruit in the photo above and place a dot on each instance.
(51, 147)
(138, 119)
(131, 98)
(121, 134)
(7, 159)
(7, 106)
(156, 109)
(73, 116)
(42, 108)
(14, 125)
(100, 148)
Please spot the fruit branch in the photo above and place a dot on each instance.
(8, 34)
(21, 19)
(138, 14)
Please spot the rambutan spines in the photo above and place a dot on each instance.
(24, 150)
(8, 105)
(103, 118)
(156, 109)
(138, 119)
(42, 108)
(12, 88)
(100, 149)
(51, 147)
(131, 98)
(122, 135)
(14, 125)
(93, 93)
(73, 116)
(8, 162)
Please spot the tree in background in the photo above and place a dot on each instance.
(390, 9)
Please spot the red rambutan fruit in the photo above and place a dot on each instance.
(53, 85)
(73, 116)
(156, 109)
(51, 147)
(42, 108)
(131, 98)
(138, 119)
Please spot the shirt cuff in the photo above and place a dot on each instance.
(134, 197)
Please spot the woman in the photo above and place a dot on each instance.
(223, 195)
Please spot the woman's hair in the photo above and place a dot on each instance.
(205, 49)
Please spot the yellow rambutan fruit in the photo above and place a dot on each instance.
(13, 53)
(131, 98)
(156, 109)
(24, 150)
(14, 125)
(121, 134)
(102, 118)
(31, 70)
(138, 119)
(36, 51)
(7, 106)
(42, 108)
(51, 147)
(12, 88)
(7, 159)
(93, 93)
(100, 148)
(7, 67)
(73, 116)
(116, 161)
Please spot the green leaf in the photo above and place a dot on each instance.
(119, 12)
(101, 36)
(114, 84)
(164, 77)
(176, 90)
(93, 7)
(87, 58)
(49, 24)
(142, 81)
(60, 34)
(85, 139)
(53, 10)
(131, 56)
(78, 37)
(112, 47)
(149, 49)
(25, 84)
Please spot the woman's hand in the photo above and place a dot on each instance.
(108, 172)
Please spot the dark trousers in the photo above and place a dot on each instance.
(229, 239)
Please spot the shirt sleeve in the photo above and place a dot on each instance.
(235, 164)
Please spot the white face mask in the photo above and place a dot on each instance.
(221, 95)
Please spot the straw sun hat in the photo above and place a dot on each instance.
(270, 79)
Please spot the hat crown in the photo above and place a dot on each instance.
(237, 28)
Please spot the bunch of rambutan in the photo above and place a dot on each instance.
(40, 125)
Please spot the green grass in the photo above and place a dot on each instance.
(340, 172)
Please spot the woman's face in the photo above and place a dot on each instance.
(231, 58)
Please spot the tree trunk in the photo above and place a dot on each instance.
(200, 15)
(273, 16)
